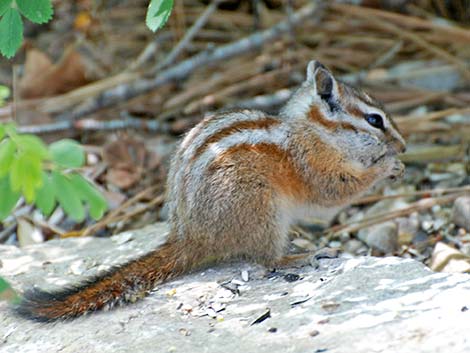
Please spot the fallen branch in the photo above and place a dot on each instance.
(126, 122)
(201, 21)
(417, 206)
(453, 32)
(115, 214)
(375, 198)
(127, 91)
(419, 41)
(263, 102)
(432, 116)
(428, 154)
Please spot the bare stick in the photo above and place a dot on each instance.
(374, 198)
(387, 216)
(403, 33)
(126, 91)
(126, 122)
(453, 32)
(265, 101)
(114, 214)
(196, 27)
(440, 114)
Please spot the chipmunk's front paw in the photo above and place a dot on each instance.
(397, 170)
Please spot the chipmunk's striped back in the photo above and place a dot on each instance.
(213, 137)
(239, 180)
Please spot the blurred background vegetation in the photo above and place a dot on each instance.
(95, 73)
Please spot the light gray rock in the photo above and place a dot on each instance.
(356, 305)
(383, 237)
(461, 212)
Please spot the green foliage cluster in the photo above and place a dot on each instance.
(45, 175)
(11, 22)
(41, 11)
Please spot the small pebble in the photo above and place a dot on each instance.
(382, 237)
(122, 238)
(78, 267)
(407, 228)
(355, 247)
(218, 306)
(427, 225)
(211, 313)
(186, 308)
(184, 332)
(461, 212)
(335, 244)
(291, 277)
(314, 333)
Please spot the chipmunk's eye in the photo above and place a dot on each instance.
(375, 120)
(326, 96)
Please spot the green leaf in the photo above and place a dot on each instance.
(4, 94)
(88, 192)
(7, 154)
(11, 32)
(4, 6)
(68, 197)
(26, 176)
(8, 293)
(2, 128)
(32, 145)
(9, 198)
(37, 11)
(45, 198)
(4, 91)
(158, 13)
(10, 129)
(67, 153)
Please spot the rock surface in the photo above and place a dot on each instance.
(347, 305)
(461, 212)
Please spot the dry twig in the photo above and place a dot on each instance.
(417, 206)
(126, 91)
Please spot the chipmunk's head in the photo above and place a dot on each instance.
(345, 115)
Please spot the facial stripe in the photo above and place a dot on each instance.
(340, 91)
(355, 111)
(317, 116)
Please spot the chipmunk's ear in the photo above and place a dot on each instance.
(323, 80)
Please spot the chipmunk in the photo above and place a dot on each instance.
(240, 179)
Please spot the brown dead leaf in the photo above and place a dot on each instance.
(127, 159)
(42, 78)
(122, 178)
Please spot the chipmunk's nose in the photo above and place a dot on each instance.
(397, 146)
(401, 147)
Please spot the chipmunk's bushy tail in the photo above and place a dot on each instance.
(121, 284)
